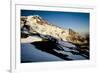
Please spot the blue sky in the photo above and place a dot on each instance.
(75, 20)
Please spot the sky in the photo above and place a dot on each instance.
(77, 21)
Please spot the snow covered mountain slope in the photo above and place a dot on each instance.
(37, 24)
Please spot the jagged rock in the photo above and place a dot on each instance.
(41, 26)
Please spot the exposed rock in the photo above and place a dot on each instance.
(38, 24)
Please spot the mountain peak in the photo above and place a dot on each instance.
(36, 19)
(41, 26)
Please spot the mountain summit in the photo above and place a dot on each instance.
(38, 24)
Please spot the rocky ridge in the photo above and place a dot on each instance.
(38, 24)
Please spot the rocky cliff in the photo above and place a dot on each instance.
(38, 24)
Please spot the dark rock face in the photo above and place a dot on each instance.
(64, 50)
(53, 44)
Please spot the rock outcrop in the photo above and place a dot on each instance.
(38, 24)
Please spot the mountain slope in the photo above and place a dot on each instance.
(38, 24)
